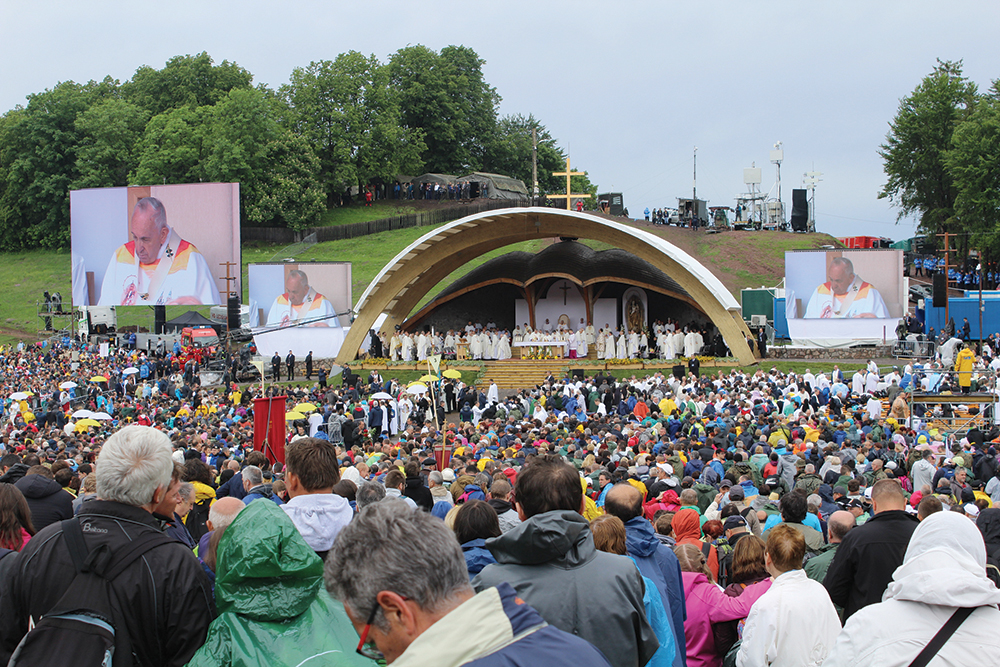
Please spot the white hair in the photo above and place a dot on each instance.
(221, 520)
(133, 463)
(253, 475)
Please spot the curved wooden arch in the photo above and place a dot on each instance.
(405, 280)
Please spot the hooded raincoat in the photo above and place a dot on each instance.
(657, 562)
(944, 568)
(552, 562)
(273, 608)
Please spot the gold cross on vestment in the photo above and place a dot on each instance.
(568, 196)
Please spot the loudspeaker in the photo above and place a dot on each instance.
(577, 373)
(159, 319)
(800, 211)
(233, 312)
(940, 290)
(678, 371)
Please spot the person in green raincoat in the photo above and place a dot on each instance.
(273, 608)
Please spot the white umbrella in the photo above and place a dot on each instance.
(416, 389)
(68, 385)
(381, 396)
(100, 415)
(130, 371)
(83, 414)
(19, 396)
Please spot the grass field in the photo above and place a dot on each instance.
(352, 214)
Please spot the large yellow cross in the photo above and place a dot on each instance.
(568, 194)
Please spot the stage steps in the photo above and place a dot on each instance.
(515, 374)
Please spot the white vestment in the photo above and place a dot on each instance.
(184, 273)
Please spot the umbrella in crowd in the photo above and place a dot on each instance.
(130, 371)
(84, 424)
(452, 374)
(381, 396)
(19, 396)
(98, 378)
(305, 407)
(103, 416)
(416, 388)
(83, 414)
(68, 385)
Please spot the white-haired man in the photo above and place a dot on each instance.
(156, 266)
(164, 599)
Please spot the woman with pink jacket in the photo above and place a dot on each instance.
(707, 604)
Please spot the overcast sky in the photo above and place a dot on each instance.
(630, 88)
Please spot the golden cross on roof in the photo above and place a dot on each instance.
(568, 196)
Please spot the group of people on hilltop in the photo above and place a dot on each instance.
(738, 518)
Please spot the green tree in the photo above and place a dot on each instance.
(38, 159)
(109, 134)
(974, 166)
(918, 141)
(184, 81)
(510, 153)
(240, 139)
(275, 168)
(447, 97)
(347, 111)
(172, 147)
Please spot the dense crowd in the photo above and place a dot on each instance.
(747, 518)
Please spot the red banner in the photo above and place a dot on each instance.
(269, 427)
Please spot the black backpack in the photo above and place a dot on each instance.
(83, 627)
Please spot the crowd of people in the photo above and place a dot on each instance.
(742, 517)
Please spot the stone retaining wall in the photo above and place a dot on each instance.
(795, 352)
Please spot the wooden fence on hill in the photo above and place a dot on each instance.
(426, 218)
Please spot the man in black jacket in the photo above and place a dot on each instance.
(47, 500)
(290, 365)
(165, 595)
(868, 555)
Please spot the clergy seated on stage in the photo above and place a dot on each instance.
(301, 303)
(156, 266)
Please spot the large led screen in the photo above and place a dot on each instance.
(313, 294)
(155, 245)
(839, 296)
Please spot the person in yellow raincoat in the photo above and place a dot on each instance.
(963, 364)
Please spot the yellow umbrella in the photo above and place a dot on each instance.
(294, 415)
(451, 373)
(305, 407)
(83, 424)
(98, 378)
(429, 378)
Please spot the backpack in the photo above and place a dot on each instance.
(83, 625)
(724, 557)
(196, 520)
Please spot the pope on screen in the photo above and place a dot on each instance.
(845, 295)
(156, 266)
(301, 303)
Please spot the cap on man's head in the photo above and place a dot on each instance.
(726, 483)
(735, 522)
(737, 493)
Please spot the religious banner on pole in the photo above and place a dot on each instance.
(434, 360)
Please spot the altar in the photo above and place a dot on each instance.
(552, 345)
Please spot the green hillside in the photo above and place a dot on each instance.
(739, 259)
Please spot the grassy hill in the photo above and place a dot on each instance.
(739, 259)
